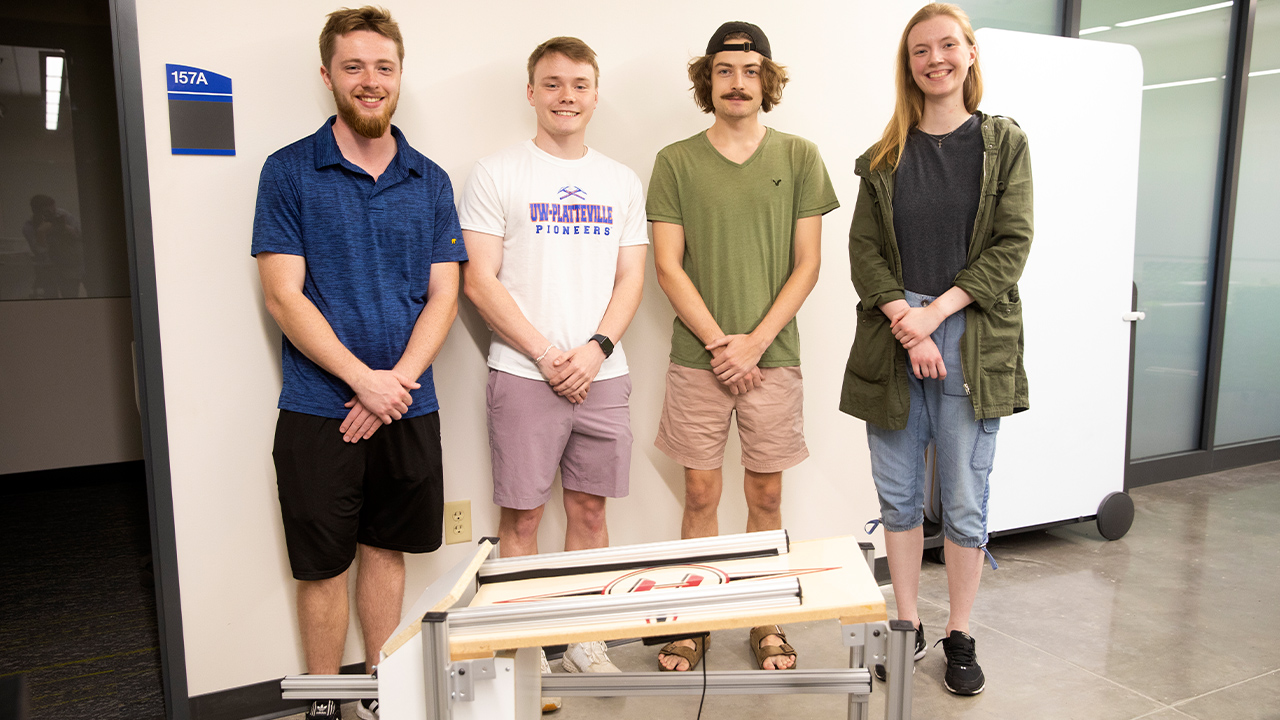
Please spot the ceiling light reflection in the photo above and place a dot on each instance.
(1179, 83)
(1171, 15)
(53, 67)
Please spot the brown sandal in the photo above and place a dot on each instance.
(759, 633)
(692, 655)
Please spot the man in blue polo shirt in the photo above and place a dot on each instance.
(358, 246)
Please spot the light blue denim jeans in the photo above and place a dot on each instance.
(941, 411)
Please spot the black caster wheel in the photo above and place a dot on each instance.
(936, 555)
(1115, 515)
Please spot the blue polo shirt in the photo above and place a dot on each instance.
(369, 248)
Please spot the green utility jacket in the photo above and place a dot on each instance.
(875, 378)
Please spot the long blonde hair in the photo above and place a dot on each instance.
(909, 106)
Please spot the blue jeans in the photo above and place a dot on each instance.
(941, 411)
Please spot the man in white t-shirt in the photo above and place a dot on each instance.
(556, 238)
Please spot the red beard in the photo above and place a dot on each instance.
(372, 127)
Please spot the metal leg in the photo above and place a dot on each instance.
(899, 664)
(435, 664)
(863, 640)
(858, 710)
(869, 554)
(858, 653)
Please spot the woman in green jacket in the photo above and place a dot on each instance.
(940, 235)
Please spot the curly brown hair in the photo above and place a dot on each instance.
(772, 79)
(344, 21)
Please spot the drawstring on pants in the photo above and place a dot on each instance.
(990, 558)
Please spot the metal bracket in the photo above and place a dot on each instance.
(854, 635)
(463, 675)
(874, 637)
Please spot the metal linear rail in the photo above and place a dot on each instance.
(759, 544)
(337, 687)
(595, 620)
(597, 609)
(856, 681)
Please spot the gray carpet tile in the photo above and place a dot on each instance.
(75, 616)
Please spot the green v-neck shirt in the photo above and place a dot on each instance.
(739, 231)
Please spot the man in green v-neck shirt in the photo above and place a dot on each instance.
(737, 227)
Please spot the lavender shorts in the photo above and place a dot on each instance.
(532, 431)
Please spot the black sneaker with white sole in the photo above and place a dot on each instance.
(963, 676)
(920, 651)
(324, 710)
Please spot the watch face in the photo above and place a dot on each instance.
(605, 344)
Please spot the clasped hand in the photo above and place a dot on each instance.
(570, 373)
(382, 397)
(915, 326)
(926, 360)
(735, 362)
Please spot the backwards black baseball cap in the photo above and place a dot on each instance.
(758, 42)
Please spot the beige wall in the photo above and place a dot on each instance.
(66, 381)
(462, 98)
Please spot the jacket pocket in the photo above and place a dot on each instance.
(999, 346)
(873, 347)
(1001, 334)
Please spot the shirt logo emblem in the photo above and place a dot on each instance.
(777, 182)
(575, 191)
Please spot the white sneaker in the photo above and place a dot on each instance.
(587, 657)
(367, 710)
(549, 704)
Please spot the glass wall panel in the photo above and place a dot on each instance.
(1036, 16)
(1184, 56)
(1249, 391)
(61, 217)
(41, 243)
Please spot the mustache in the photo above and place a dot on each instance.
(735, 95)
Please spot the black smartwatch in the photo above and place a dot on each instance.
(605, 344)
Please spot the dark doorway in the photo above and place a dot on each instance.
(78, 619)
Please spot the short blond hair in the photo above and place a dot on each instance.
(570, 47)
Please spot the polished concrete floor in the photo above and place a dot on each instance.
(1178, 619)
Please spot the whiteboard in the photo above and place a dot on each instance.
(1080, 102)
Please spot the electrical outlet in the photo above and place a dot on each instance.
(457, 522)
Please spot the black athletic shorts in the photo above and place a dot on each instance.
(387, 491)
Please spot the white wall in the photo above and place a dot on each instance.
(462, 98)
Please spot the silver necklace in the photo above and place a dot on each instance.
(939, 138)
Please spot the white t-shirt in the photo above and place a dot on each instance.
(561, 224)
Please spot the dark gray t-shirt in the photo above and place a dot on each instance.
(935, 203)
